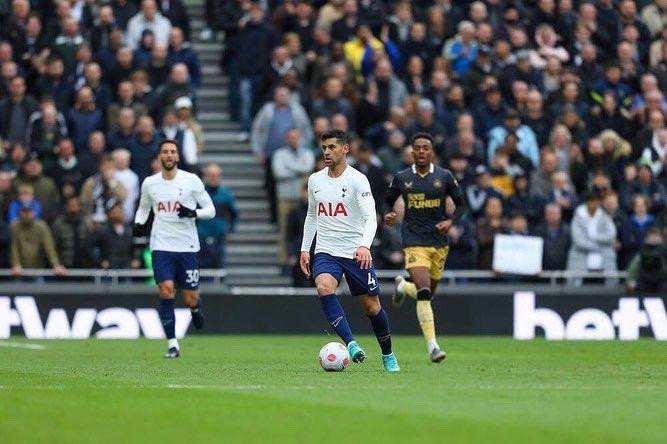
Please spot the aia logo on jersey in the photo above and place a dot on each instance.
(328, 209)
(168, 206)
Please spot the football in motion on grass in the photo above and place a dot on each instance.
(334, 357)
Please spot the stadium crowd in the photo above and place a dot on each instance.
(551, 113)
(87, 91)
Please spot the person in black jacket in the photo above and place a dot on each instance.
(175, 11)
(557, 239)
(15, 110)
(375, 174)
(114, 240)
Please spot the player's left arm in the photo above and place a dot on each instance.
(366, 204)
(455, 193)
(207, 210)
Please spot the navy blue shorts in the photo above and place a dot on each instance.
(182, 268)
(360, 281)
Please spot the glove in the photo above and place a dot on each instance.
(186, 212)
(139, 230)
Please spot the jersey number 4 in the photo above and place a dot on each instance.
(371, 280)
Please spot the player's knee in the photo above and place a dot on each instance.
(424, 294)
(325, 286)
(166, 290)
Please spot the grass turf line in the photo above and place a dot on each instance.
(255, 388)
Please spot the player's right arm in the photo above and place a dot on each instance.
(309, 229)
(392, 196)
(141, 216)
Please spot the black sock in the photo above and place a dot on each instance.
(380, 323)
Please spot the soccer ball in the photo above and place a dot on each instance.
(334, 357)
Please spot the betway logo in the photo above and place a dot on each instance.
(115, 322)
(590, 323)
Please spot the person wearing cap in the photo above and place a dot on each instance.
(527, 140)
(46, 191)
(522, 70)
(186, 119)
(479, 193)
(32, 244)
(593, 239)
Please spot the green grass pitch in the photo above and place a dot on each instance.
(271, 389)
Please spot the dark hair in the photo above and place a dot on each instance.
(422, 135)
(339, 135)
(164, 142)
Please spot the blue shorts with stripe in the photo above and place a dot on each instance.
(360, 281)
(182, 268)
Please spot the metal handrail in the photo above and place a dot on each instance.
(450, 276)
(99, 274)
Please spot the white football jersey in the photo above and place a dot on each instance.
(342, 212)
(165, 197)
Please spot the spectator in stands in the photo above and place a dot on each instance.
(177, 14)
(67, 43)
(123, 66)
(5, 193)
(213, 233)
(462, 245)
(180, 51)
(392, 154)
(489, 114)
(479, 193)
(289, 165)
(462, 50)
(129, 179)
(15, 110)
(84, 118)
(67, 168)
(90, 159)
(540, 180)
(45, 129)
(101, 191)
(16, 155)
(104, 25)
(183, 107)
(115, 241)
(46, 192)
(177, 86)
(487, 227)
(269, 129)
(593, 238)
(72, 236)
(123, 11)
(366, 162)
(101, 91)
(252, 54)
(25, 195)
(333, 102)
(184, 137)
(53, 83)
(148, 18)
(143, 148)
(123, 131)
(563, 194)
(655, 151)
(648, 270)
(527, 140)
(32, 244)
(125, 99)
(644, 184)
(556, 237)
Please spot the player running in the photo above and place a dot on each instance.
(425, 189)
(173, 195)
(341, 209)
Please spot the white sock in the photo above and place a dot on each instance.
(173, 343)
(431, 345)
(400, 286)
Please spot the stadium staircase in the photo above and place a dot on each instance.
(252, 252)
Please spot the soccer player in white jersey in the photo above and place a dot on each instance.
(173, 195)
(341, 210)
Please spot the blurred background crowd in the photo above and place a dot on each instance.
(551, 114)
